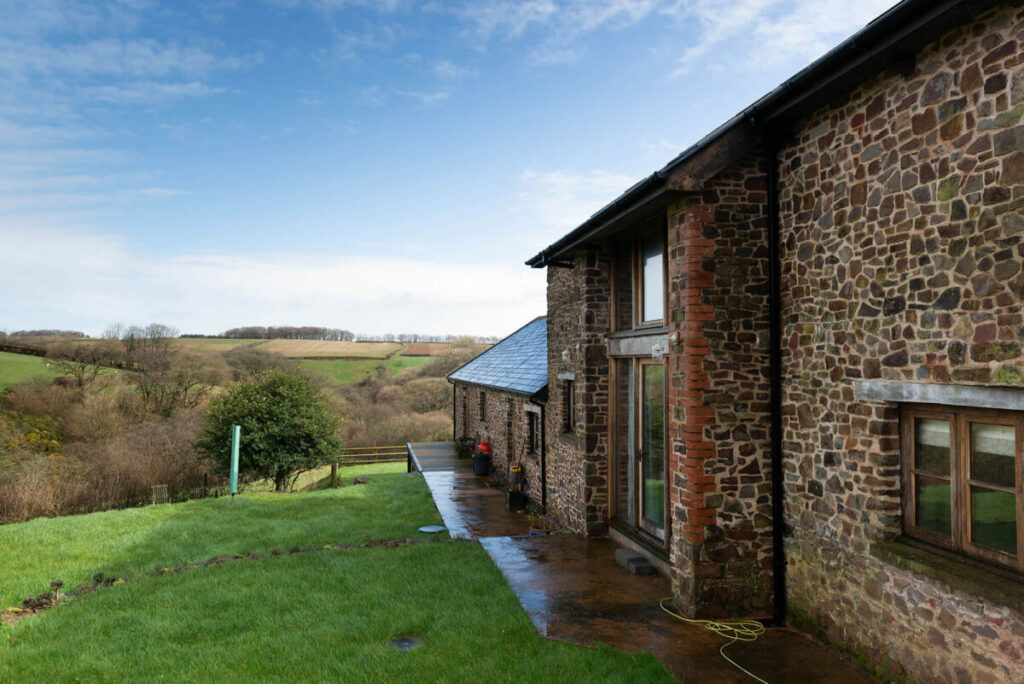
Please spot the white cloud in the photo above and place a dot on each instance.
(101, 280)
(425, 98)
(559, 24)
(561, 200)
(148, 92)
(113, 57)
(762, 34)
(449, 71)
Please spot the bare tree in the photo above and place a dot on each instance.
(83, 360)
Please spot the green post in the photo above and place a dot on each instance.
(236, 436)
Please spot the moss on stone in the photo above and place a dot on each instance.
(948, 189)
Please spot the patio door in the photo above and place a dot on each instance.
(651, 443)
(640, 464)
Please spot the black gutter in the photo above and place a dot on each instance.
(775, 390)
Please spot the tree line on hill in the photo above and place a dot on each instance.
(310, 332)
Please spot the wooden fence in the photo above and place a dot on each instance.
(374, 454)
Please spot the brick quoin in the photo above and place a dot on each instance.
(693, 278)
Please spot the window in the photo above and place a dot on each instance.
(483, 407)
(465, 414)
(533, 433)
(567, 407)
(638, 278)
(652, 279)
(962, 480)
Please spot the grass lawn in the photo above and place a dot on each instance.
(351, 371)
(319, 615)
(133, 541)
(15, 368)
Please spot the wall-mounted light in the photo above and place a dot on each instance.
(657, 353)
(565, 355)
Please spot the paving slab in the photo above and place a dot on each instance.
(573, 590)
(471, 509)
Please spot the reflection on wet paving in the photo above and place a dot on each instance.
(470, 509)
(574, 591)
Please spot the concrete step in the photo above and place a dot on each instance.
(635, 562)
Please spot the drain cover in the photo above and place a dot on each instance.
(405, 643)
(433, 529)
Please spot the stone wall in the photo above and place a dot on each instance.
(719, 463)
(579, 316)
(902, 260)
(507, 430)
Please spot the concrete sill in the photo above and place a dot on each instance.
(1001, 587)
(638, 332)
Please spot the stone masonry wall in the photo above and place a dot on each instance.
(719, 463)
(903, 245)
(579, 315)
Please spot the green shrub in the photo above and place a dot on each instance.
(286, 428)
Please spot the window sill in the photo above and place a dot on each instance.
(642, 540)
(657, 329)
(1001, 587)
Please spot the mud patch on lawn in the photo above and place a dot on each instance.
(33, 605)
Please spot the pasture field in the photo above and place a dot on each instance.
(15, 368)
(426, 348)
(304, 348)
(352, 371)
(315, 611)
(214, 344)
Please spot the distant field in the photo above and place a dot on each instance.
(426, 348)
(15, 368)
(213, 344)
(299, 348)
(351, 371)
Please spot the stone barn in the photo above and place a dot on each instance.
(501, 397)
(788, 365)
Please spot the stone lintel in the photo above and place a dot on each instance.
(638, 345)
(932, 393)
(566, 376)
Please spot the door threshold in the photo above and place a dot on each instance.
(622, 533)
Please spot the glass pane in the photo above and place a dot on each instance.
(654, 290)
(931, 445)
(994, 519)
(933, 504)
(653, 417)
(625, 441)
(993, 451)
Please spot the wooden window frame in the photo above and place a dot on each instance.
(532, 433)
(638, 279)
(960, 419)
(483, 406)
(568, 406)
(630, 250)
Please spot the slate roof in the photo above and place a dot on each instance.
(519, 363)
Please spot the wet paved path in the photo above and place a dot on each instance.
(574, 591)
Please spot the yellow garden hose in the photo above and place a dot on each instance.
(741, 630)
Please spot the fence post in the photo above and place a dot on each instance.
(334, 475)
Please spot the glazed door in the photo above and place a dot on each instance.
(651, 460)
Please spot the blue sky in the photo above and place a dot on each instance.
(377, 166)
